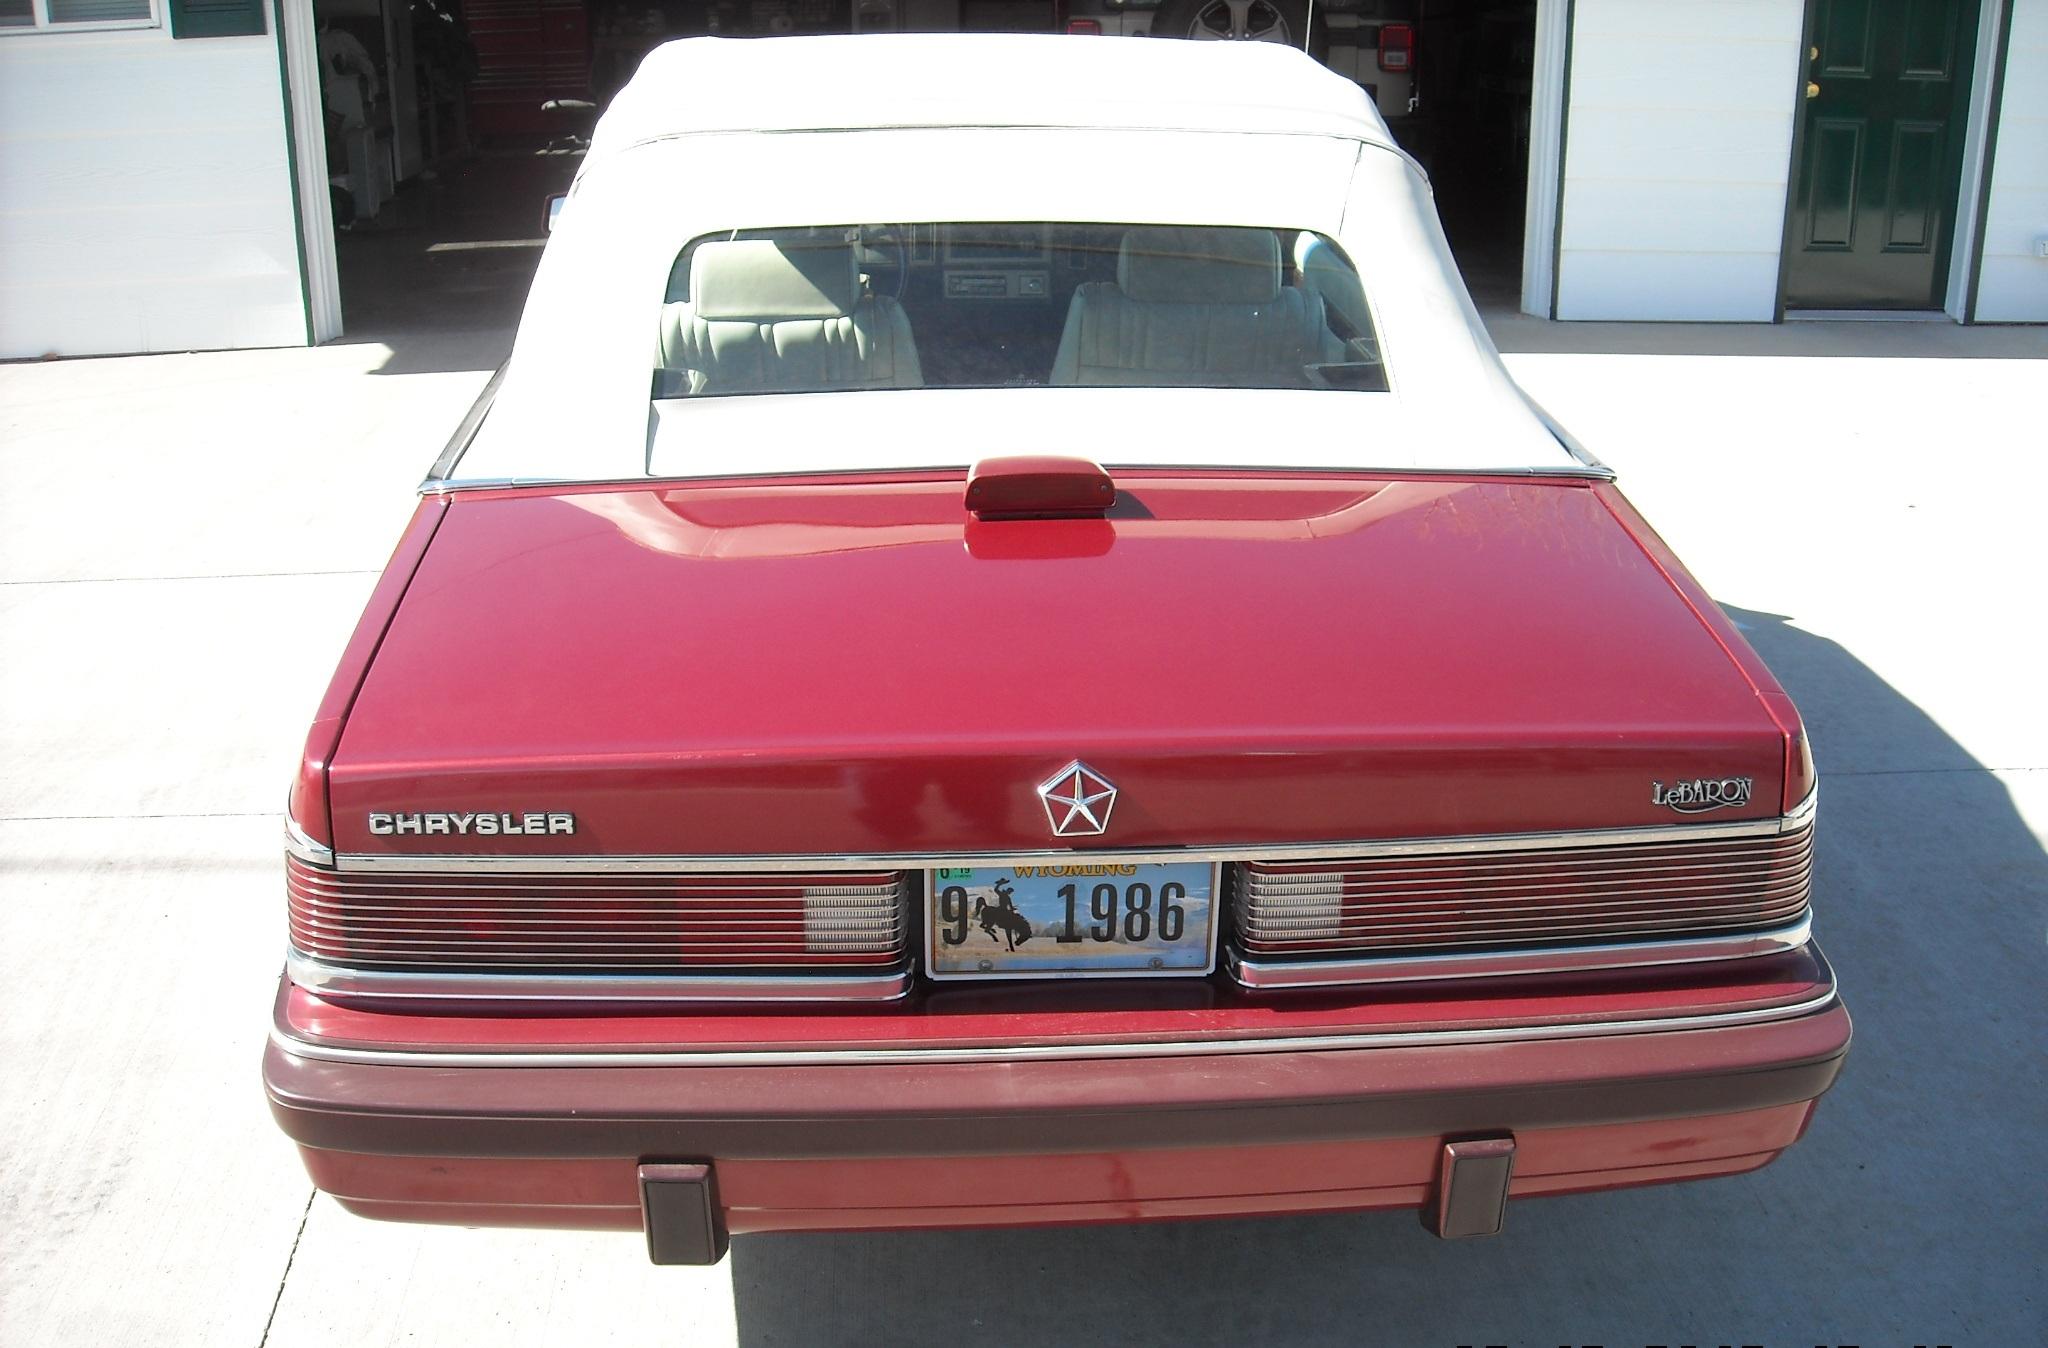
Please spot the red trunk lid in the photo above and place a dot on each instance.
(846, 669)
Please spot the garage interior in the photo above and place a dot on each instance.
(445, 135)
(1476, 63)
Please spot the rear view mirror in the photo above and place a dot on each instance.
(555, 204)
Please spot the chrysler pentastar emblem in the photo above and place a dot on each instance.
(1077, 800)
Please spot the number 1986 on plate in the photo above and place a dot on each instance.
(1128, 919)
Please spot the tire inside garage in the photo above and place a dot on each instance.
(1284, 21)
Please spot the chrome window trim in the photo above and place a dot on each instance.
(1398, 968)
(442, 486)
(465, 431)
(1798, 818)
(1179, 1048)
(336, 980)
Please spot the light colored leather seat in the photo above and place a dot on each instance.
(1326, 274)
(781, 316)
(1198, 306)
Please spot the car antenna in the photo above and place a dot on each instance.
(1308, 26)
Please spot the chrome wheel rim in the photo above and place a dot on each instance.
(1240, 21)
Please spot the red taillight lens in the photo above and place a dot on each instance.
(1397, 47)
(306, 805)
(1800, 775)
(598, 923)
(1085, 27)
(1462, 901)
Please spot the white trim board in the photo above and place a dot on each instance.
(1546, 155)
(2012, 280)
(1974, 181)
(309, 143)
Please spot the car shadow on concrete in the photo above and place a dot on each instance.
(445, 351)
(1907, 1215)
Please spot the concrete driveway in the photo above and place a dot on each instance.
(185, 542)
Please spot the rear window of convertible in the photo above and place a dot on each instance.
(824, 309)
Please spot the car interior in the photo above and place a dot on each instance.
(1013, 304)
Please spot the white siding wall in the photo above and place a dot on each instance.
(145, 198)
(2013, 285)
(1680, 143)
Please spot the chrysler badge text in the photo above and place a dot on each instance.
(482, 825)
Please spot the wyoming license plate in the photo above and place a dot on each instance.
(1071, 921)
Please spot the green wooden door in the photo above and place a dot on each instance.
(1880, 152)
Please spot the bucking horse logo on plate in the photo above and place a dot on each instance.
(1002, 913)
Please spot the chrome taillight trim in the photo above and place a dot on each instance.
(914, 861)
(1532, 960)
(867, 982)
(1749, 904)
(334, 980)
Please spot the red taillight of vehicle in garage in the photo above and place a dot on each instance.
(1397, 47)
(1085, 27)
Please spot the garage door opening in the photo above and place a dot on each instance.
(1475, 65)
(437, 212)
(445, 129)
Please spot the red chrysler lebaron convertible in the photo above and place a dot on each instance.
(1016, 658)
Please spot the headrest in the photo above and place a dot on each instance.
(1179, 264)
(767, 281)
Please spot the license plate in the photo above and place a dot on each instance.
(1071, 921)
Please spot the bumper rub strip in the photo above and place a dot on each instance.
(1316, 1043)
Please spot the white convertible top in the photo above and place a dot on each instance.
(853, 83)
(717, 135)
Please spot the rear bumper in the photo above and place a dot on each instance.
(856, 1142)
